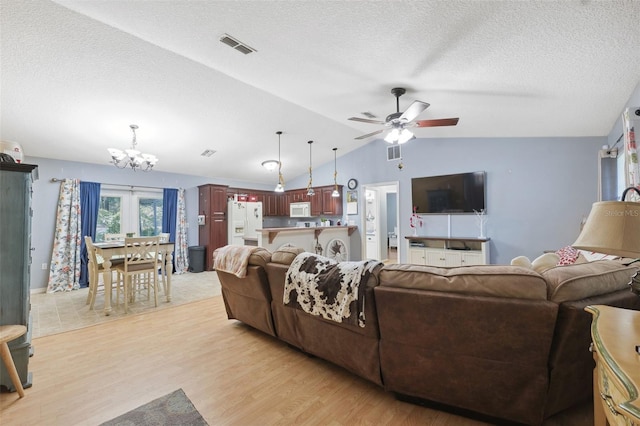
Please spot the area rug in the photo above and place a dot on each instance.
(172, 409)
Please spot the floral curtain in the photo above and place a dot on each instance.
(632, 167)
(64, 272)
(182, 249)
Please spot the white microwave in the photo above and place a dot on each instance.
(300, 210)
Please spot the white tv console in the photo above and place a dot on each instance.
(448, 251)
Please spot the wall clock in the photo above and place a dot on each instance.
(352, 184)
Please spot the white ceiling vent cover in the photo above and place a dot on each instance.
(236, 44)
(393, 152)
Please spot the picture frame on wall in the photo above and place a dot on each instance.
(352, 202)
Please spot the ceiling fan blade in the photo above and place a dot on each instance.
(437, 122)
(414, 110)
(370, 134)
(366, 120)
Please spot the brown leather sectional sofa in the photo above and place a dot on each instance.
(500, 341)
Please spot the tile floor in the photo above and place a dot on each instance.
(58, 312)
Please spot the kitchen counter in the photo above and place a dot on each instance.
(307, 238)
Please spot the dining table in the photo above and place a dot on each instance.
(113, 249)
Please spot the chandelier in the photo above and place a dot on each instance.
(132, 157)
(310, 190)
(280, 185)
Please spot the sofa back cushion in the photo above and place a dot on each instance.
(259, 256)
(285, 254)
(481, 280)
(581, 280)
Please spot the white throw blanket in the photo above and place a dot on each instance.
(323, 287)
(233, 259)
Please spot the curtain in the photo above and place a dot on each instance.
(182, 249)
(89, 205)
(169, 210)
(632, 167)
(64, 272)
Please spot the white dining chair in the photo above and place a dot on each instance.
(140, 268)
(95, 267)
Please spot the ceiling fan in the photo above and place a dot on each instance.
(398, 121)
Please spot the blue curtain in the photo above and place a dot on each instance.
(89, 205)
(169, 214)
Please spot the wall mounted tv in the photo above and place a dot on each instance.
(449, 194)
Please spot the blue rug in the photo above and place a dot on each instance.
(170, 410)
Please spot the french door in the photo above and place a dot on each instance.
(129, 212)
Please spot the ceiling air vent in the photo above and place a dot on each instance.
(208, 152)
(393, 152)
(236, 44)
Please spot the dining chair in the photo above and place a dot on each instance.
(164, 238)
(113, 237)
(140, 268)
(95, 267)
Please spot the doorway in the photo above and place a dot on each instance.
(380, 222)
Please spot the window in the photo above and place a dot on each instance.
(129, 211)
(149, 216)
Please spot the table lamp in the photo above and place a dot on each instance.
(613, 227)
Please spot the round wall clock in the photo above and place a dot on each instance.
(352, 184)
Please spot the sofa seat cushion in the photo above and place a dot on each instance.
(581, 280)
(481, 280)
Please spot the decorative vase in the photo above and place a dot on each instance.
(415, 232)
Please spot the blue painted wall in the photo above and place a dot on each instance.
(538, 189)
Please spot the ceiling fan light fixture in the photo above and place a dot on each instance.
(392, 136)
(405, 136)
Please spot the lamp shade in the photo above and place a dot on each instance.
(613, 227)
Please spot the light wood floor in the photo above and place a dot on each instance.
(233, 374)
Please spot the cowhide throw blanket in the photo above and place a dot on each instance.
(323, 287)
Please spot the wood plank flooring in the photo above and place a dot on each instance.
(233, 374)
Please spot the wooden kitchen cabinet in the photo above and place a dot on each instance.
(331, 206)
(212, 203)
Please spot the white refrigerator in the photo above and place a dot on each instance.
(244, 218)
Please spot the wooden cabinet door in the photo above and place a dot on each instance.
(218, 200)
(331, 206)
(417, 256)
(316, 202)
(212, 203)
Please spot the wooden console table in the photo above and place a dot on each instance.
(615, 334)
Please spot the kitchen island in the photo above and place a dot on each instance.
(330, 241)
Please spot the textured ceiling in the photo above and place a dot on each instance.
(75, 74)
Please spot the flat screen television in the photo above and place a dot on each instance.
(449, 194)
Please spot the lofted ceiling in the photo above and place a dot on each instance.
(76, 73)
